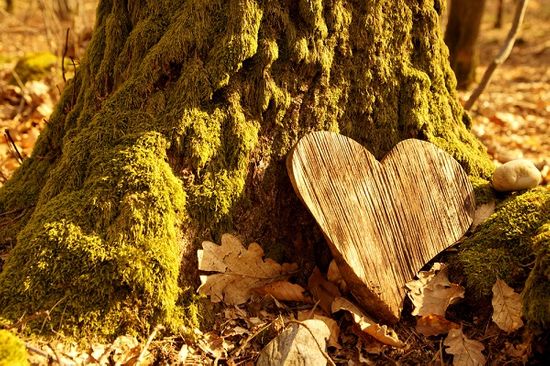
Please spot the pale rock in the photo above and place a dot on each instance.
(296, 345)
(516, 175)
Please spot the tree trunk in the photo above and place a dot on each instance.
(175, 129)
(461, 37)
(500, 14)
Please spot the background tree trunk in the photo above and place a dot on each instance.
(500, 14)
(461, 37)
(175, 129)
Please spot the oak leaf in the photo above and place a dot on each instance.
(322, 290)
(334, 276)
(283, 291)
(380, 332)
(432, 293)
(331, 324)
(240, 270)
(507, 308)
(430, 325)
(465, 351)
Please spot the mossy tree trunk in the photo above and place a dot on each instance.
(175, 128)
(461, 37)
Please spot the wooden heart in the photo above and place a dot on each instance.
(383, 220)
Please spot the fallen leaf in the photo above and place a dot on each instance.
(213, 345)
(182, 354)
(322, 290)
(331, 324)
(300, 343)
(507, 308)
(431, 325)
(283, 291)
(483, 212)
(466, 352)
(126, 349)
(380, 332)
(432, 293)
(334, 276)
(241, 270)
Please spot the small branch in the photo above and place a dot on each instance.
(24, 319)
(14, 146)
(148, 343)
(38, 351)
(502, 56)
(250, 337)
(56, 354)
(65, 50)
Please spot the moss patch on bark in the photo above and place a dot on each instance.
(34, 66)
(506, 245)
(177, 123)
(12, 350)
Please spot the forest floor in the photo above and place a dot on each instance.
(512, 118)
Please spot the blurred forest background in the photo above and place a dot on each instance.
(511, 116)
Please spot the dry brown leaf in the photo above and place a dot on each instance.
(431, 325)
(465, 351)
(507, 308)
(214, 345)
(182, 354)
(283, 291)
(334, 276)
(322, 290)
(483, 212)
(126, 349)
(380, 332)
(432, 293)
(331, 324)
(240, 270)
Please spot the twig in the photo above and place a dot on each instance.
(57, 356)
(502, 56)
(247, 341)
(105, 355)
(48, 312)
(148, 343)
(37, 351)
(14, 146)
(65, 49)
(312, 311)
(25, 319)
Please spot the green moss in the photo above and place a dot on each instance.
(536, 295)
(506, 245)
(176, 126)
(6, 59)
(34, 66)
(12, 350)
(483, 191)
(105, 256)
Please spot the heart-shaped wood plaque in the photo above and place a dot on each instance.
(383, 220)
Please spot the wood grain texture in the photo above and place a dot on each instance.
(383, 220)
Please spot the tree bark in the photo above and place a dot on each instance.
(175, 128)
(461, 37)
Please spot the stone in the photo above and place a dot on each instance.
(516, 175)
